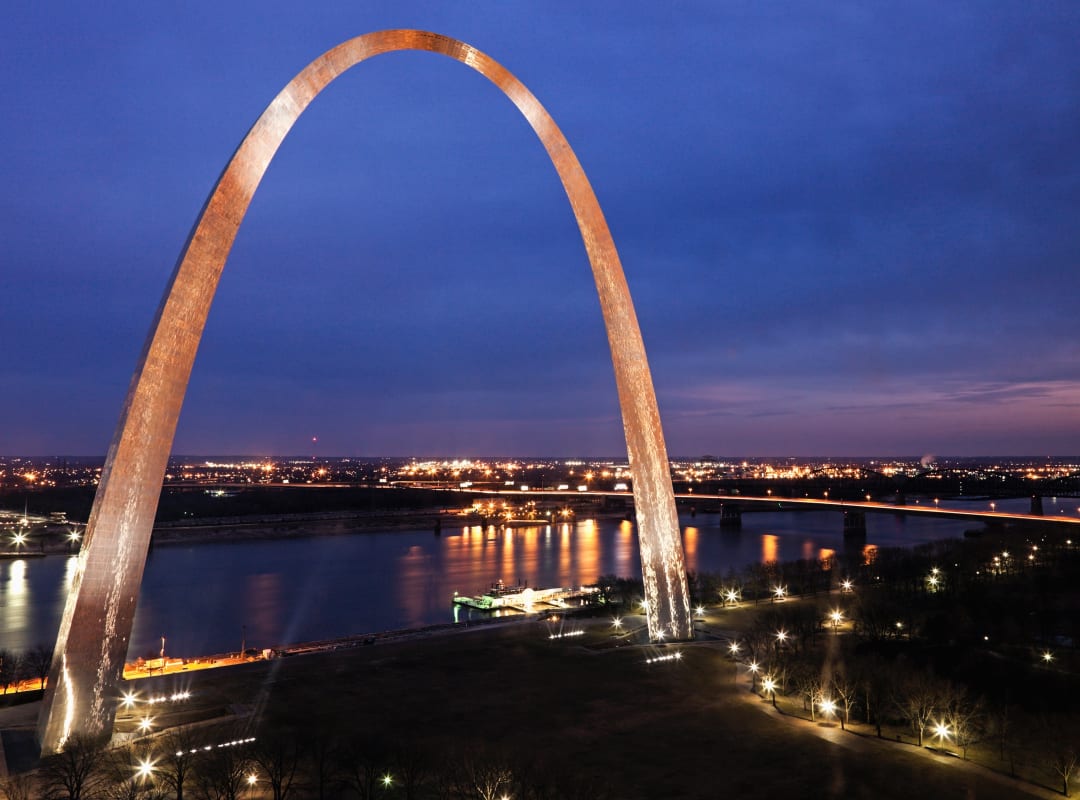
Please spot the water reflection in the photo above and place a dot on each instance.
(263, 608)
(305, 589)
(690, 537)
(625, 549)
(17, 581)
(770, 548)
(69, 572)
(14, 600)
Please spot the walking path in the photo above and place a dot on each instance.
(861, 743)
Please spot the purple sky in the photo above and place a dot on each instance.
(849, 229)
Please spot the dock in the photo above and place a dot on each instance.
(525, 600)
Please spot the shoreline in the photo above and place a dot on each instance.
(294, 526)
(223, 530)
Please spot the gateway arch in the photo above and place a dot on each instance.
(96, 626)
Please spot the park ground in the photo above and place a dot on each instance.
(587, 706)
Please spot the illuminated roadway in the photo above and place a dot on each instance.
(742, 500)
(792, 503)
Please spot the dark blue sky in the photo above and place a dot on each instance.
(849, 228)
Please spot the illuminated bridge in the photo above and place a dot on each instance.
(732, 505)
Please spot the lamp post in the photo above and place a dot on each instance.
(828, 708)
(837, 617)
(781, 639)
(769, 685)
(942, 732)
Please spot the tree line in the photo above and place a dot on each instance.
(32, 664)
(220, 763)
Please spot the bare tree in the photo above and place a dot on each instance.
(18, 787)
(847, 692)
(320, 765)
(1065, 762)
(10, 667)
(38, 660)
(181, 749)
(278, 758)
(1060, 744)
(363, 769)
(966, 718)
(808, 684)
(412, 769)
(223, 773)
(75, 773)
(877, 682)
(128, 776)
(918, 698)
(484, 777)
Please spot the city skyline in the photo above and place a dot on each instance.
(845, 233)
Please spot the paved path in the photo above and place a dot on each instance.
(871, 744)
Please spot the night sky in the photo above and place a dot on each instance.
(849, 228)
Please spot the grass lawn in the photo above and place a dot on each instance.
(586, 707)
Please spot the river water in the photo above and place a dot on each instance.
(210, 598)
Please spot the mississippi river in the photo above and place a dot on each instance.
(210, 598)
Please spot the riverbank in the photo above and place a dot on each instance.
(291, 526)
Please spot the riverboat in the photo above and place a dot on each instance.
(524, 599)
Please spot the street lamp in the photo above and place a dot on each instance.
(779, 592)
(733, 648)
(145, 769)
(942, 732)
(846, 585)
(753, 667)
(837, 617)
(828, 707)
(1047, 656)
(769, 685)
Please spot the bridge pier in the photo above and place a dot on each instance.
(1036, 505)
(854, 523)
(730, 516)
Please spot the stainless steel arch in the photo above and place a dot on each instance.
(94, 633)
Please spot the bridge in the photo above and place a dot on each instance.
(732, 506)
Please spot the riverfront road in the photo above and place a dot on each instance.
(784, 504)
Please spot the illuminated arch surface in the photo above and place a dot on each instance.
(94, 633)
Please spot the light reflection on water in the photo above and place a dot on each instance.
(207, 598)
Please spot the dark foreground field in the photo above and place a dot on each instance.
(576, 711)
